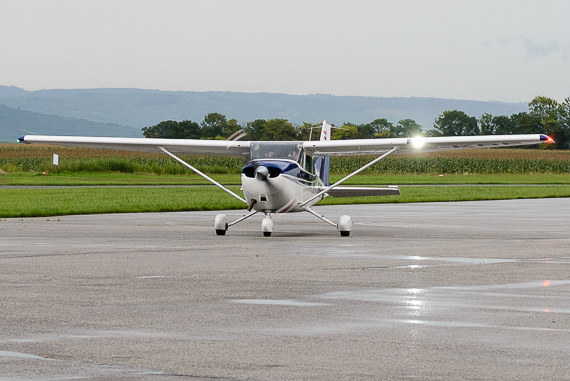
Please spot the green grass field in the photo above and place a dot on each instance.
(87, 200)
(117, 178)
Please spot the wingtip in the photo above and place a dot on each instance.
(547, 139)
(21, 139)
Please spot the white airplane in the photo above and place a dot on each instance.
(291, 176)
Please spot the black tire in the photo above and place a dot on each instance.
(220, 232)
(344, 234)
(267, 234)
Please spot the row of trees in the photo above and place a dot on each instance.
(545, 116)
(214, 126)
(217, 126)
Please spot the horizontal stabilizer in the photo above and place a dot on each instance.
(392, 190)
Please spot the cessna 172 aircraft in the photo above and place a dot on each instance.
(287, 177)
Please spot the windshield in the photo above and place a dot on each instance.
(276, 150)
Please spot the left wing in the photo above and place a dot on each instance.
(419, 144)
(190, 146)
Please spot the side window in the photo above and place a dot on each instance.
(309, 166)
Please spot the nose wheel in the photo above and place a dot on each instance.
(267, 226)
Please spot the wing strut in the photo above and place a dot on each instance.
(201, 174)
(321, 217)
(242, 218)
(349, 176)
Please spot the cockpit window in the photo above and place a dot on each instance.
(276, 150)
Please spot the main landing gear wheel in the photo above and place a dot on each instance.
(221, 224)
(344, 225)
(267, 226)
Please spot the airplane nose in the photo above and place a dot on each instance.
(261, 173)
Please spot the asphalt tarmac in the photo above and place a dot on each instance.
(468, 290)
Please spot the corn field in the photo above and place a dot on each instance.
(25, 158)
(446, 165)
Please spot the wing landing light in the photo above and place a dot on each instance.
(418, 142)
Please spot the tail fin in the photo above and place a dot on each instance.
(322, 164)
(325, 131)
(237, 135)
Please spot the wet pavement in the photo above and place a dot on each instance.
(470, 290)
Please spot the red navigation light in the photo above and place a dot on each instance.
(549, 140)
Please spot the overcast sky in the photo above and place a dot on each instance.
(482, 50)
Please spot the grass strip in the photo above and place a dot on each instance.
(232, 179)
(64, 201)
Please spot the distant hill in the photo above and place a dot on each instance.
(15, 123)
(140, 108)
(11, 91)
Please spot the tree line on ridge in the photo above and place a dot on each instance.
(545, 116)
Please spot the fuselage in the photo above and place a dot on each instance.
(278, 185)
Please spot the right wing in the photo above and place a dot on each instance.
(189, 146)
